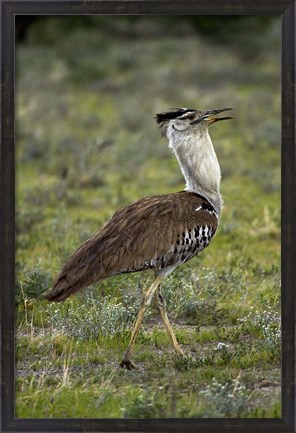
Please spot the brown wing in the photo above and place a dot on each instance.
(139, 236)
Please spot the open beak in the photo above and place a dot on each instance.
(210, 116)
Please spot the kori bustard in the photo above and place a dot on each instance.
(159, 232)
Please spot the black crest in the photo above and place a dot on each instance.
(164, 117)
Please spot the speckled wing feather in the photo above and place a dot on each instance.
(152, 233)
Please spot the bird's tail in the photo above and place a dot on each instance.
(63, 288)
(74, 275)
(60, 291)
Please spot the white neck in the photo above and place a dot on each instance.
(199, 165)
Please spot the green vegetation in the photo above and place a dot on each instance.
(86, 145)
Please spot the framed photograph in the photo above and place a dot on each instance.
(116, 173)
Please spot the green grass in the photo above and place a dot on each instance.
(86, 145)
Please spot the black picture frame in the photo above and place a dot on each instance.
(286, 9)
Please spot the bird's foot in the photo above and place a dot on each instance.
(128, 364)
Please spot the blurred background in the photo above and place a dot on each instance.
(88, 88)
(87, 91)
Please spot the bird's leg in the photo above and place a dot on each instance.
(146, 300)
(161, 306)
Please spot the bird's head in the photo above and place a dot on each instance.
(188, 121)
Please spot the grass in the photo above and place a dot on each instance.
(86, 145)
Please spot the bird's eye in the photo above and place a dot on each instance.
(191, 117)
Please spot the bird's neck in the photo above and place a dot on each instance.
(200, 167)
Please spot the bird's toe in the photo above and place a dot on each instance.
(128, 364)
